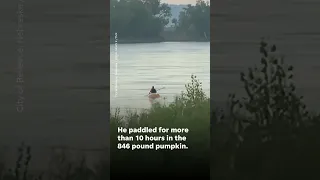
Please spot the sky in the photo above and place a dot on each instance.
(179, 1)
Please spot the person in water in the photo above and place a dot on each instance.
(153, 90)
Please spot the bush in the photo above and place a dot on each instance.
(62, 168)
(266, 133)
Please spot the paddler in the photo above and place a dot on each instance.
(153, 90)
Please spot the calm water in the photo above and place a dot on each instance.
(168, 65)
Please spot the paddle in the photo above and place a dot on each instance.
(161, 88)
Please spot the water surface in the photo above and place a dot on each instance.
(163, 65)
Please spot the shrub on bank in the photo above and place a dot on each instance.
(60, 168)
(269, 133)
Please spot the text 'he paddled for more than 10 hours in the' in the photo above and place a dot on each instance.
(133, 139)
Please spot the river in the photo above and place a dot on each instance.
(135, 68)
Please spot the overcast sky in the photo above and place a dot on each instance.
(180, 1)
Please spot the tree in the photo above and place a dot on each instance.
(195, 20)
(174, 22)
(138, 18)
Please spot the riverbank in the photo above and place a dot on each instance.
(136, 41)
(169, 38)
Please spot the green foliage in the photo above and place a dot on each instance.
(61, 168)
(21, 171)
(271, 99)
(265, 133)
(195, 20)
(138, 18)
(146, 19)
(194, 93)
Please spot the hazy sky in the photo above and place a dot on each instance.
(180, 1)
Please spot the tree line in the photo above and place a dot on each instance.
(149, 18)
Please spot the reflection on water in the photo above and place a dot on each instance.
(168, 65)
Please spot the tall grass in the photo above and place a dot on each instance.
(61, 168)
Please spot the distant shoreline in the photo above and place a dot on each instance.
(136, 41)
